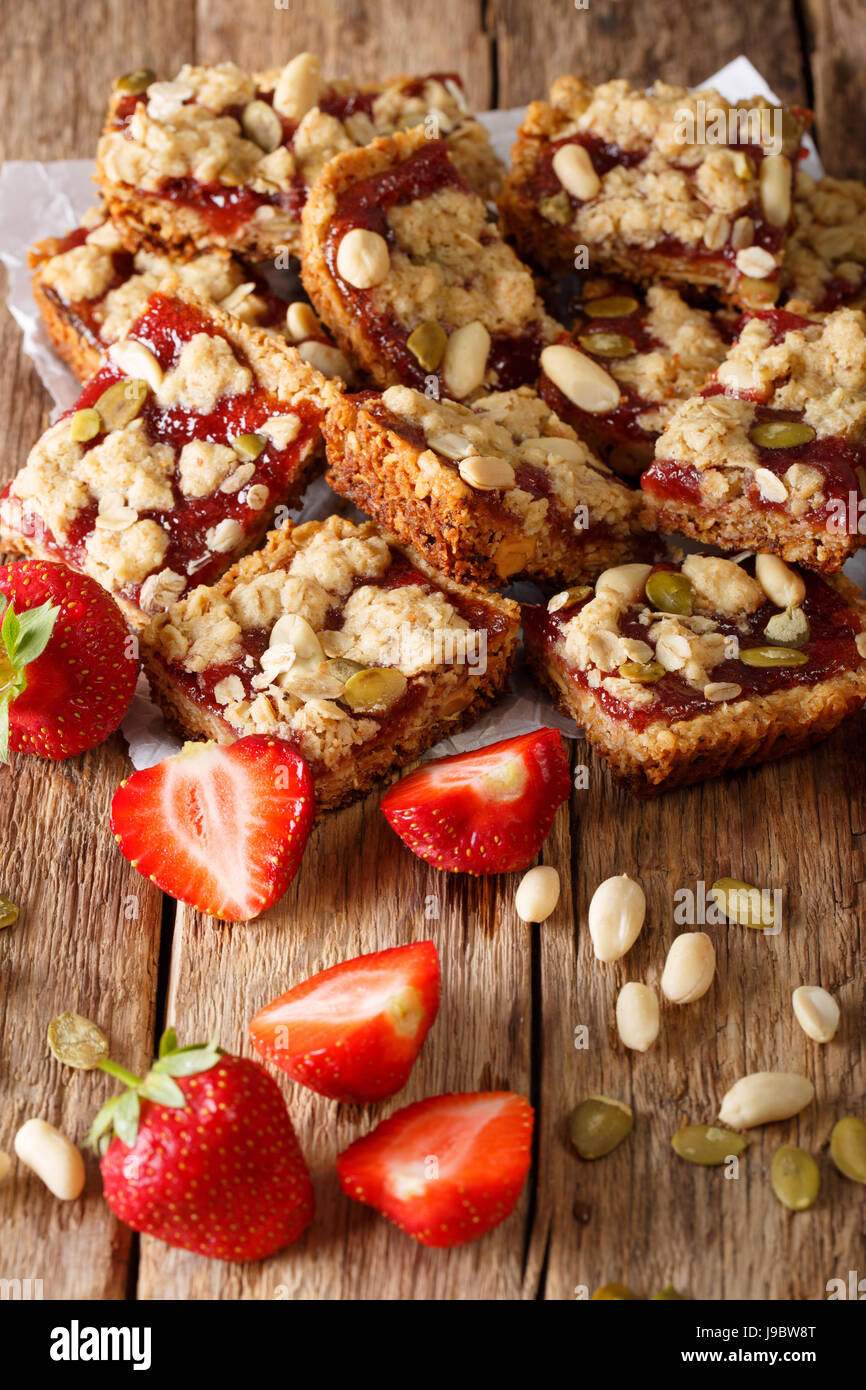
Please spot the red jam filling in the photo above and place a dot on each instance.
(164, 327)
(831, 651)
(366, 204)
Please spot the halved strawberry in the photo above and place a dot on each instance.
(223, 829)
(445, 1170)
(68, 663)
(353, 1032)
(487, 812)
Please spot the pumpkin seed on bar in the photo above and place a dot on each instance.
(795, 1177)
(262, 125)
(137, 81)
(758, 292)
(610, 306)
(646, 674)
(607, 344)
(342, 669)
(8, 912)
(708, 1145)
(671, 592)
(744, 904)
(76, 1042)
(616, 1292)
(121, 403)
(668, 1295)
(249, 446)
(598, 1125)
(781, 434)
(374, 687)
(556, 208)
(771, 657)
(788, 629)
(848, 1147)
(84, 425)
(427, 344)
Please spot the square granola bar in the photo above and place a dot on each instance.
(404, 266)
(772, 454)
(825, 263)
(341, 642)
(635, 355)
(661, 184)
(223, 157)
(685, 670)
(486, 492)
(175, 456)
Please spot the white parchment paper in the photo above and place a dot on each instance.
(42, 200)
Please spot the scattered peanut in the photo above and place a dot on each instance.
(616, 915)
(301, 321)
(776, 188)
(637, 1016)
(53, 1158)
(537, 894)
(465, 360)
(689, 968)
(782, 585)
(623, 581)
(363, 258)
(574, 169)
(816, 1012)
(582, 380)
(765, 1096)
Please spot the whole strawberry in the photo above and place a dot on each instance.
(68, 664)
(203, 1155)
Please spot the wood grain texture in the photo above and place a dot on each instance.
(513, 995)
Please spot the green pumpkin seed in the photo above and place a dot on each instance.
(781, 434)
(610, 306)
(556, 208)
(598, 1125)
(84, 425)
(668, 1295)
(76, 1042)
(249, 446)
(772, 657)
(342, 669)
(848, 1147)
(788, 629)
(8, 913)
(427, 344)
(607, 344)
(744, 904)
(615, 1292)
(795, 1177)
(646, 674)
(137, 81)
(671, 592)
(262, 125)
(122, 402)
(708, 1145)
(374, 688)
(758, 293)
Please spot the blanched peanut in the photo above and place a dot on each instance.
(326, 359)
(816, 1012)
(299, 86)
(465, 360)
(53, 1158)
(363, 258)
(301, 321)
(776, 188)
(623, 581)
(580, 378)
(765, 1096)
(637, 1016)
(574, 169)
(486, 473)
(689, 968)
(782, 585)
(537, 894)
(616, 915)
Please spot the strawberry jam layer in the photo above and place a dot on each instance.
(831, 651)
(366, 204)
(164, 328)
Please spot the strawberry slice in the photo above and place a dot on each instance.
(487, 812)
(445, 1170)
(223, 829)
(353, 1032)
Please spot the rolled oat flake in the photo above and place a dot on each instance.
(76, 1042)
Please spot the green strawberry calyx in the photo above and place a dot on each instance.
(23, 637)
(120, 1115)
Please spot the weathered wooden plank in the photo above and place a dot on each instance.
(837, 30)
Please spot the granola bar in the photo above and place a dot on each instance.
(825, 264)
(341, 642)
(175, 456)
(771, 454)
(486, 492)
(406, 269)
(680, 672)
(661, 184)
(223, 157)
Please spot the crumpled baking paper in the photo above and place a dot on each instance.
(41, 200)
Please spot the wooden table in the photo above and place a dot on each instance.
(95, 937)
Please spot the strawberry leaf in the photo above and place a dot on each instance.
(10, 630)
(126, 1116)
(168, 1042)
(190, 1061)
(103, 1121)
(162, 1090)
(35, 626)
